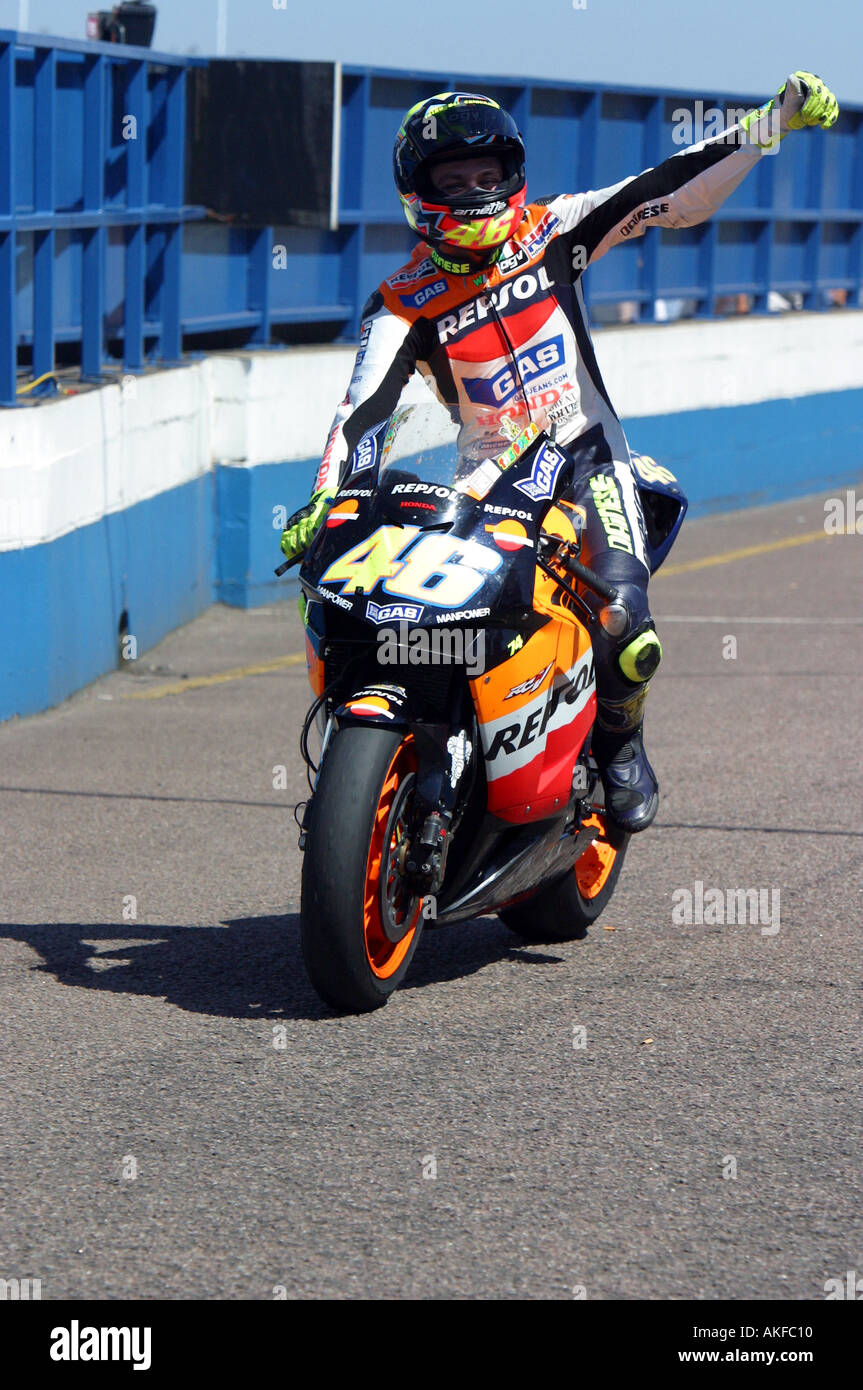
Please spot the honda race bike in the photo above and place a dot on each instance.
(448, 644)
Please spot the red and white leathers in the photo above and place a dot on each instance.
(513, 340)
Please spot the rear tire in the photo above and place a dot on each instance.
(359, 929)
(565, 910)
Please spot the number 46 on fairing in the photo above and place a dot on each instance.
(441, 570)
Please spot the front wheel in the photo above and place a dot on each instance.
(564, 911)
(359, 923)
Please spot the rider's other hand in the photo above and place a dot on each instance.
(302, 526)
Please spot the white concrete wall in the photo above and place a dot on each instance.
(67, 462)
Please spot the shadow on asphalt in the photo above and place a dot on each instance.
(251, 967)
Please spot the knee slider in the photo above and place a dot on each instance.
(641, 656)
(629, 624)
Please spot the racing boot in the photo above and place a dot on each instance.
(631, 788)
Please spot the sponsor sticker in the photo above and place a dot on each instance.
(514, 261)
(509, 535)
(410, 277)
(534, 241)
(651, 471)
(494, 510)
(371, 705)
(510, 737)
(393, 612)
(460, 616)
(341, 512)
(518, 446)
(527, 687)
(366, 452)
(522, 288)
(543, 475)
(430, 488)
(335, 598)
(650, 210)
(481, 480)
(568, 404)
(487, 210)
(423, 295)
(459, 749)
(608, 503)
(531, 362)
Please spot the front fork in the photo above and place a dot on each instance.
(445, 755)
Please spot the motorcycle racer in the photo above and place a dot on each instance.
(490, 311)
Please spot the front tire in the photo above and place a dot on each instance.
(359, 925)
(565, 910)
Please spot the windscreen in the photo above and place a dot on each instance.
(424, 444)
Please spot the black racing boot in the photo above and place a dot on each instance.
(631, 788)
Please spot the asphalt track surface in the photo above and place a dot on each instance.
(605, 1167)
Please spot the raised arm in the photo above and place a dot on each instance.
(688, 187)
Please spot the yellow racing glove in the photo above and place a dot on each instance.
(305, 523)
(802, 100)
(806, 100)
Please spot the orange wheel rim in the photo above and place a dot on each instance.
(593, 867)
(385, 956)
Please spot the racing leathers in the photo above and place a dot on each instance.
(513, 341)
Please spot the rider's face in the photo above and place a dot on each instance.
(459, 176)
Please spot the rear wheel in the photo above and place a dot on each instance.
(359, 923)
(565, 910)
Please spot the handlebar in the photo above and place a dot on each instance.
(561, 551)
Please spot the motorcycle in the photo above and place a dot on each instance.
(448, 644)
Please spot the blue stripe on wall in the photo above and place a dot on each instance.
(165, 560)
(751, 455)
(59, 620)
(247, 500)
(726, 458)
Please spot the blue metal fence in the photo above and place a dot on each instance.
(794, 226)
(94, 232)
(91, 195)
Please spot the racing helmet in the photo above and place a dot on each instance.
(458, 125)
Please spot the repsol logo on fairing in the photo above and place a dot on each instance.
(520, 733)
(524, 287)
(651, 210)
(437, 491)
(606, 499)
(532, 362)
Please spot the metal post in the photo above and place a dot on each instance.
(814, 199)
(171, 339)
(44, 85)
(260, 268)
(93, 257)
(8, 336)
(354, 126)
(135, 134)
